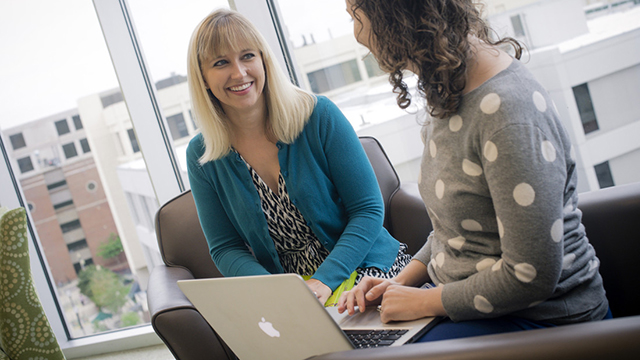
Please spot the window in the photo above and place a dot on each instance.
(25, 164)
(518, 28)
(585, 108)
(70, 226)
(133, 140)
(373, 69)
(603, 172)
(62, 127)
(77, 245)
(329, 23)
(56, 184)
(77, 122)
(334, 77)
(17, 141)
(85, 145)
(177, 126)
(111, 99)
(69, 150)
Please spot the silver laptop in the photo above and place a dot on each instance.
(278, 317)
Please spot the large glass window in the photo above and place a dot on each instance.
(51, 108)
(331, 63)
(164, 28)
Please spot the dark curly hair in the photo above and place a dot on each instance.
(432, 37)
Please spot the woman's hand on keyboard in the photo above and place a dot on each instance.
(368, 292)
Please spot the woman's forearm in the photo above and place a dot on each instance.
(414, 274)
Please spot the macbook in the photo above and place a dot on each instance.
(278, 317)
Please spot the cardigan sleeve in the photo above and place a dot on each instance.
(357, 186)
(228, 251)
(526, 181)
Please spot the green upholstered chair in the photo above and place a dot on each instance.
(25, 332)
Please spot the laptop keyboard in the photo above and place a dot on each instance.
(373, 338)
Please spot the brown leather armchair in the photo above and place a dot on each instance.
(186, 256)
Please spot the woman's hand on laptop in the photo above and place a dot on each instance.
(368, 292)
(321, 290)
(403, 303)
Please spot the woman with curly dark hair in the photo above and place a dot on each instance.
(498, 176)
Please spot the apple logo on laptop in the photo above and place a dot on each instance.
(268, 329)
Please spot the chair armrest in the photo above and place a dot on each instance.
(408, 217)
(176, 321)
(608, 339)
(163, 292)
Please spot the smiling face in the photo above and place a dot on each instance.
(236, 79)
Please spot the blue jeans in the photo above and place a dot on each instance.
(447, 329)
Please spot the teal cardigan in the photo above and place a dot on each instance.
(329, 179)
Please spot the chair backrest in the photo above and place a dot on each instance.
(388, 179)
(182, 242)
(19, 302)
(180, 237)
(612, 220)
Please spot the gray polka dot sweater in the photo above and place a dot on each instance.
(499, 182)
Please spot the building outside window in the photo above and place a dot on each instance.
(603, 172)
(85, 145)
(177, 126)
(69, 150)
(17, 141)
(334, 77)
(518, 27)
(585, 107)
(133, 140)
(77, 122)
(62, 127)
(25, 164)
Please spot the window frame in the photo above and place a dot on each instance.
(152, 132)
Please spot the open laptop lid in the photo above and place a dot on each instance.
(266, 317)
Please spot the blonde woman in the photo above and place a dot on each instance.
(279, 177)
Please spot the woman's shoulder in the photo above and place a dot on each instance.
(513, 97)
(196, 146)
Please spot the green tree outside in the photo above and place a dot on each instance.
(111, 248)
(104, 288)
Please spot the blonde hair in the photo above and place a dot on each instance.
(288, 106)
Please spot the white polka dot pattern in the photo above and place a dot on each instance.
(539, 102)
(548, 151)
(471, 168)
(567, 261)
(497, 266)
(455, 123)
(440, 259)
(439, 189)
(471, 225)
(500, 228)
(457, 242)
(485, 264)
(524, 194)
(433, 150)
(490, 103)
(490, 151)
(557, 230)
(482, 304)
(525, 272)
